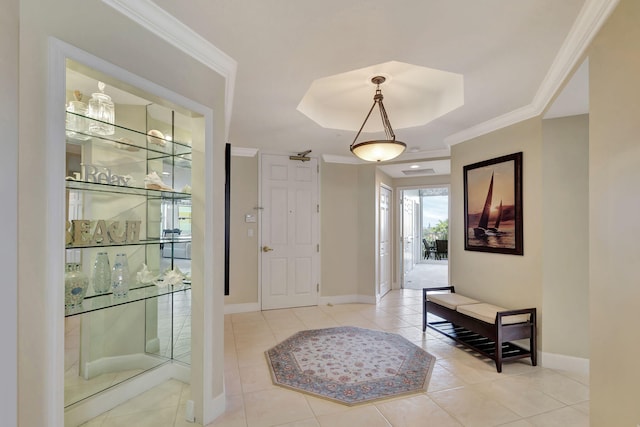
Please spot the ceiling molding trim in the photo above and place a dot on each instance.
(405, 158)
(243, 152)
(346, 160)
(424, 155)
(164, 25)
(592, 16)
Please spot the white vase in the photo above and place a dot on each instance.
(120, 277)
(75, 285)
(101, 274)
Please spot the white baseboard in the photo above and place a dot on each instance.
(241, 308)
(121, 363)
(216, 407)
(153, 345)
(341, 299)
(562, 362)
(347, 299)
(112, 397)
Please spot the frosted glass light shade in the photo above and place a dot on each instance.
(378, 150)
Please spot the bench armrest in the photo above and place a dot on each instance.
(440, 288)
(530, 311)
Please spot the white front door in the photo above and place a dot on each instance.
(384, 243)
(289, 232)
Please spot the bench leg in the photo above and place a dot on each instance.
(424, 310)
(533, 340)
(498, 356)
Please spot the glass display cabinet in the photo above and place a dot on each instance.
(128, 191)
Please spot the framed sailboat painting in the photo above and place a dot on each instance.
(493, 205)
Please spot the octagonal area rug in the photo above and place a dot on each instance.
(350, 365)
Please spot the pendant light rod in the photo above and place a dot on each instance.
(378, 150)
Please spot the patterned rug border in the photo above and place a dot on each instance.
(416, 348)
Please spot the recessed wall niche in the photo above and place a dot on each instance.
(128, 197)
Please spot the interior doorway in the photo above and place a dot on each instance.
(424, 237)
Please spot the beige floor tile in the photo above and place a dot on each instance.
(311, 422)
(254, 316)
(560, 387)
(251, 329)
(232, 383)
(463, 390)
(166, 395)
(517, 394)
(368, 416)
(582, 407)
(234, 414)
(413, 334)
(274, 407)
(252, 356)
(441, 379)
(564, 417)
(157, 417)
(416, 411)
(256, 377)
(469, 368)
(255, 342)
(519, 423)
(472, 408)
(440, 349)
(321, 406)
(286, 313)
(320, 323)
(285, 323)
(96, 422)
(284, 333)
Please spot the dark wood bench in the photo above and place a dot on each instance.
(467, 322)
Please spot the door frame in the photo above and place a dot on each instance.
(398, 228)
(391, 238)
(260, 209)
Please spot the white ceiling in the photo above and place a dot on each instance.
(503, 49)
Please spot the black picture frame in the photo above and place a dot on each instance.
(493, 205)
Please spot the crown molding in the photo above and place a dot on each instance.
(164, 25)
(243, 152)
(405, 157)
(592, 16)
(346, 160)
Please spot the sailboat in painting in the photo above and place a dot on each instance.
(483, 229)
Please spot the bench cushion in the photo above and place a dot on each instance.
(451, 301)
(487, 313)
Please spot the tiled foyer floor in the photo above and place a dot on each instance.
(464, 390)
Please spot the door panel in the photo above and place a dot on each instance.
(384, 258)
(290, 232)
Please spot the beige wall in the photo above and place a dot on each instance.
(9, 19)
(96, 28)
(348, 210)
(499, 278)
(614, 203)
(565, 215)
(421, 181)
(243, 257)
(366, 229)
(339, 217)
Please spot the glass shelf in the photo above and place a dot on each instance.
(119, 189)
(101, 302)
(128, 140)
(144, 242)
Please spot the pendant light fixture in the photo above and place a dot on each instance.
(381, 149)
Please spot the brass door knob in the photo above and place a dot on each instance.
(266, 249)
